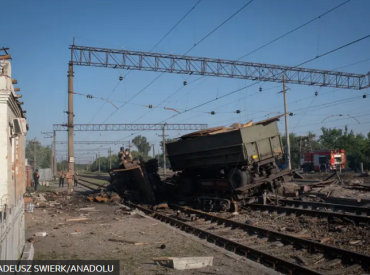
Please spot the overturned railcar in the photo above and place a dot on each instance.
(220, 169)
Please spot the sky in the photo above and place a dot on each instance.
(40, 33)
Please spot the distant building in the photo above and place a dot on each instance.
(13, 129)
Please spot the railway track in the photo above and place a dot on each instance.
(336, 200)
(81, 180)
(355, 214)
(98, 177)
(282, 252)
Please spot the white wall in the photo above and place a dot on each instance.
(9, 192)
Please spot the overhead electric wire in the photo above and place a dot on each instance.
(358, 62)
(156, 46)
(219, 26)
(312, 20)
(235, 91)
(175, 26)
(297, 28)
(200, 41)
(317, 57)
(142, 90)
(339, 48)
(304, 113)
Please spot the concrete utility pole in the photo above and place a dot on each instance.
(51, 159)
(99, 162)
(55, 153)
(153, 151)
(110, 158)
(286, 125)
(164, 150)
(71, 160)
(129, 145)
(34, 154)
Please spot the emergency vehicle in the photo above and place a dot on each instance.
(323, 160)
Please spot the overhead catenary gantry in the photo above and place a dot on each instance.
(190, 65)
(114, 142)
(130, 127)
(181, 64)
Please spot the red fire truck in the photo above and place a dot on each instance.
(323, 160)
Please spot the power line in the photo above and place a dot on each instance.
(151, 50)
(205, 37)
(339, 48)
(235, 91)
(272, 40)
(142, 90)
(175, 26)
(352, 64)
(301, 26)
(200, 41)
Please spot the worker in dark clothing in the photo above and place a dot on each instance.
(76, 179)
(36, 178)
(61, 178)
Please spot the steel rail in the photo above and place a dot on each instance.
(89, 182)
(358, 210)
(88, 187)
(335, 200)
(253, 253)
(308, 212)
(99, 177)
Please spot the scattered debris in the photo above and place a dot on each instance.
(184, 262)
(40, 234)
(131, 242)
(89, 209)
(104, 196)
(77, 219)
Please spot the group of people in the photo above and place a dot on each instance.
(70, 178)
(123, 155)
(62, 175)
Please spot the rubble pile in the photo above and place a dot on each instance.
(45, 199)
(104, 196)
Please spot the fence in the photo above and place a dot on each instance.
(12, 230)
(45, 175)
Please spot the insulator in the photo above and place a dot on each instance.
(291, 114)
(238, 111)
(316, 93)
(364, 96)
(185, 82)
(120, 78)
(260, 89)
(212, 113)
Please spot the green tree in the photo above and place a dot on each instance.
(142, 145)
(43, 154)
(356, 146)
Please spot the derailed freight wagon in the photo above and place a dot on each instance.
(221, 168)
